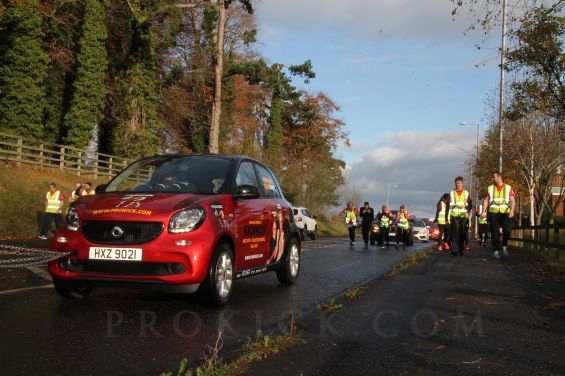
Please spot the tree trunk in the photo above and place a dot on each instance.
(218, 72)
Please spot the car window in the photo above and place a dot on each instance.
(268, 182)
(187, 174)
(246, 175)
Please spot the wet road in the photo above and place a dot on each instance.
(133, 332)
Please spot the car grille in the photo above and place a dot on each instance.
(105, 232)
(122, 267)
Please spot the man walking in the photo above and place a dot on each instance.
(367, 215)
(53, 204)
(460, 207)
(498, 207)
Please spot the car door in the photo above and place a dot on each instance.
(254, 220)
(280, 213)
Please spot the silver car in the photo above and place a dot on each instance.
(420, 231)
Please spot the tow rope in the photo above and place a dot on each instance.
(12, 256)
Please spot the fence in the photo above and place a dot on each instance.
(21, 150)
(549, 237)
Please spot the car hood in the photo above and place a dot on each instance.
(108, 205)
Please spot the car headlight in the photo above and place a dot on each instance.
(186, 220)
(72, 221)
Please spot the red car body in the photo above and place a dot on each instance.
(136, 231)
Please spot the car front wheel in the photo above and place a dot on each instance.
(314, 234)
(290, 265)
(218, 285)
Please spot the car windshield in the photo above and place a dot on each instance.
(201, 174)
(418, 224)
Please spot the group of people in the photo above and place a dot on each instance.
(453, 214)
(364, 218)
(54, 200)
(454, 211)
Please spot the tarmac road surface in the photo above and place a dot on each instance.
(465, 315)
(131, 332)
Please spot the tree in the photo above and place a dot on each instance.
(539, 59)
(142, 35)
(536, 157)
(89, 90)
(219, 70)
(23, 69)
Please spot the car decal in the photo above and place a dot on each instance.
(122, 211)
(219, 213)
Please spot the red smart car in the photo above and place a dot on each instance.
(179, 223)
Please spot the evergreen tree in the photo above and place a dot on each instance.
(23, 69)
(89, 91)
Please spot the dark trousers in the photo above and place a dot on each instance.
(443, 236)
(384, 236)
(497, 221)
(47, 219)
(458, 232)
(351, 230)
(365, 230)
(401, 236)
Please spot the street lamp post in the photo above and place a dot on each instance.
(475, 187)
(388, 192)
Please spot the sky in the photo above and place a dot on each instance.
(404, 74)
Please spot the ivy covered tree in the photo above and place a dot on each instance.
(89, 90)
(145, 31)
(23, 70)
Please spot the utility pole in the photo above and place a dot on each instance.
(501, 88)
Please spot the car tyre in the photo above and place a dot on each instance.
(314, 234)
(71, 292)
(290, 264)
(303, 233)
(218, 286)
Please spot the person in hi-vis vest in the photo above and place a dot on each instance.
(53, 206)
(350, 216)
(498, 208)
(442, 220)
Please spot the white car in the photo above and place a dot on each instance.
(306, 223)
(420, 231)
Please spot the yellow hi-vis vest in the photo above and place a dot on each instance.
(458, 203)
(350, 217)
(441, 215)
(53, 202)
(385, 221)
(403, 222)
(499, 201)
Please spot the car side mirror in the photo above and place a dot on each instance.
(247, 192)
(100, 188)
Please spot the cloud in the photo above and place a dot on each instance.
(422, 165)
(364, 18)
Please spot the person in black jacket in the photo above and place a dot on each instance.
(367, 215)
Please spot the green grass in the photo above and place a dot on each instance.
(22, 197)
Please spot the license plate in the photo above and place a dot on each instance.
(119, 254)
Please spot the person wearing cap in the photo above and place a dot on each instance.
(367, 215)
(53, 204)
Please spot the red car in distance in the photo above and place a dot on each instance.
(432, 228)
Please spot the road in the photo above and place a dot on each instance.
(134, 332)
